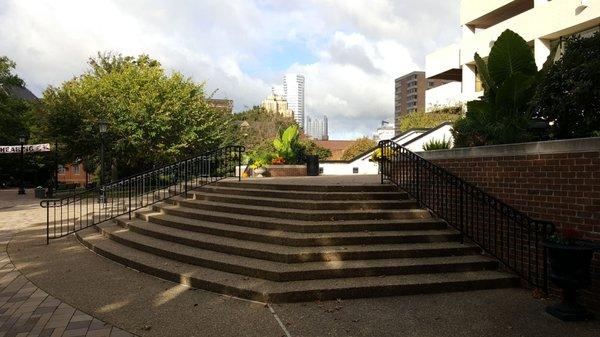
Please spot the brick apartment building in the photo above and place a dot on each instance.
(410, 94)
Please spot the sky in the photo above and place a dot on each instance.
(350, 51)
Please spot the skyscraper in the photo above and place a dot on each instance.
(317, 128)
(293, 89)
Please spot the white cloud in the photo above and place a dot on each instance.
(356, 48)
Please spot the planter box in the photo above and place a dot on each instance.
(286, 171)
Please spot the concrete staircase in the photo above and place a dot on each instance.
(291, 240)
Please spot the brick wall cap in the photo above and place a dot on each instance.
(534, 148)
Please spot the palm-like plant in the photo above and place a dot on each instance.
(288, 146)
(503, 114)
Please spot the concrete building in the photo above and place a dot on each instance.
(410, 93)
(542, 23)
(384, 132)
(276, 104)
(317, 128)
(293, 88)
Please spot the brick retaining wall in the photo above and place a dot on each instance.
(557, 181)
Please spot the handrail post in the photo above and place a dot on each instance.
(239, 163)
(48, 222)
(185, 177)
(381, 161)
(129, 196)
(462, 220)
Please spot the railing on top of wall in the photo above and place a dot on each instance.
(91, 207)
(499, 229)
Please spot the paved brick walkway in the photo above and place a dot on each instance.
(26, 310)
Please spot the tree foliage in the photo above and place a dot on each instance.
(503, 114)
(15, 120)
(261, 126)
(569, 93)
(360, 146)
(153, 117)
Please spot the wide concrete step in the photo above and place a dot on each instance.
(290, 254)
(305, 239)
(303, 195)
(304, 290)
(263, 185)
(278, 271)
(296, 225)
(303, 204)
(307, 215)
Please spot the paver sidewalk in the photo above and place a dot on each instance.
(26, 310)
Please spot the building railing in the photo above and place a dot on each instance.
(499, 229)
(70, 214)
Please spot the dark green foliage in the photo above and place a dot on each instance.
(503, 114)
(437, 144)
(154, 117)
(569, 93)
(312, 149)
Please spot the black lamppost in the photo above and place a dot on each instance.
(22, 139)
(102, 126)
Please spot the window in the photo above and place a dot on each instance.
(76, 169)
(320, 170)
(62, 169)
(355, 170)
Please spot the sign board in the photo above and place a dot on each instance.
(26, 148)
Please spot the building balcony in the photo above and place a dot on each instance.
(478, 14)
(444, 64)
(559, 18)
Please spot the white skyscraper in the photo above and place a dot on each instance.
(293, 92)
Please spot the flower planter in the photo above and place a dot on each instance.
(287, 170)
(569, 270)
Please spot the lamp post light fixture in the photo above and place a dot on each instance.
(102, 126)
(22, 140)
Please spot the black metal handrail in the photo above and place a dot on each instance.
(81, 210)
(498, 228)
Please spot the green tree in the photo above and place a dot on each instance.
(503, 114)
(256, 126)
(569, 93)
(312, 149)
(154, 117)
(360, 146)
(15, 119)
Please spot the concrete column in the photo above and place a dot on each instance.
(541, 49)
(468, 81)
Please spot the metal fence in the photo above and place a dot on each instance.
(499, 229)
(81, 210)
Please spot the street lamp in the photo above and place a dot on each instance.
(22, 140)
(102, 126)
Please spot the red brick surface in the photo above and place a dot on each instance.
(562, 188)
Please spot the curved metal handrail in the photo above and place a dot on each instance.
(497, 227)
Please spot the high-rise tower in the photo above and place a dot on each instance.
(293, 88)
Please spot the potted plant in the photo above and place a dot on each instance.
(570, 259)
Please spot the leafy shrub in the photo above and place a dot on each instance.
(569, 93)
(437, 144)
(427, 120)
(361, 145)
(503, 114)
